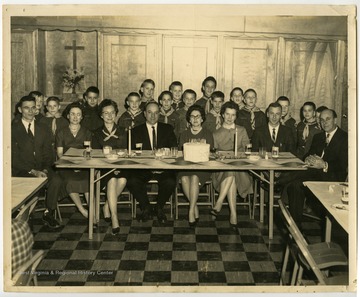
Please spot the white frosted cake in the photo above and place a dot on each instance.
(196, 152)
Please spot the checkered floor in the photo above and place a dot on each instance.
(174, 254)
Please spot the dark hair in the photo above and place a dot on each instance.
(283, 98)
(132, 94)
(151, 102)
(146, 81)
(274, 105)
(332, 111)
(35, 94)
(236, 89)
(53, 98)
(175, 83)
(209, 78)
(250, 90)
(230, 105)
(309, 103)
(19, 104)
(163, 93)
(73, 105)
(321, 108)
(190, 91)
(198, 108)
(217, 94)
(108, 102)
(92, 89)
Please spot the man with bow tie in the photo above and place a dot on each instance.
(327, 160)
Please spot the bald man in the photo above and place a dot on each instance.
(327, 160)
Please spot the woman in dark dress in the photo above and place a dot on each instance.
(112, 135)
(73, 136)
(192, 181)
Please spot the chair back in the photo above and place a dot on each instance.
(27, 209)
(26, 273)
(301, 243)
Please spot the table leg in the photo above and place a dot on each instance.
(271, 204)
(97, 198)
(91, 203)
(262, 201)
(328, 229)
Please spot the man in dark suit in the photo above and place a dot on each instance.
(153, 135)
(273, 134)
(327, 160)
(32, 155)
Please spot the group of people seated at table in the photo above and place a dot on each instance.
(39, 137)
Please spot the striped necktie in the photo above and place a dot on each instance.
(327, 140)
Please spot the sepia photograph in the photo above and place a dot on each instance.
(179, 148)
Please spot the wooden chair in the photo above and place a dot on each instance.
(315, 257)
(153, 192)
(27, 209)
(205, 198)
(25, 274)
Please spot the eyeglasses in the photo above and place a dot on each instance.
(192, 117)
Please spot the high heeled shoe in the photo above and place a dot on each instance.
(234, 227)
(214, 213)
(115, 231)
(193, 224)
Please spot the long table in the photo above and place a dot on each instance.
(74, 159)
(24, 188)
(329, 194)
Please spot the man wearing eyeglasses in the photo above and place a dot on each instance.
(153, 135)
(32, 155)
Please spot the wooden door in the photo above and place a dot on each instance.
(189, 59)
(251, 64)
(23, 65)
(127, 61)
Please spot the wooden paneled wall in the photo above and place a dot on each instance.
(303, 69)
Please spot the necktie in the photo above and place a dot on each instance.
(154, 138)
(53, 126)
(252, 119)
(306, 132)
(207, 106)
(29, 131)
(327, 140)
(273, 136)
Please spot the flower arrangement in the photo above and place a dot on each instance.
(72, 78)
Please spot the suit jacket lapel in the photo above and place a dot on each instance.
(147, 137)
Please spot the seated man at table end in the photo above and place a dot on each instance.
(32, 155)
(153, 135)
(327, 160)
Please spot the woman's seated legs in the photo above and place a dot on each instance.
(115, 186)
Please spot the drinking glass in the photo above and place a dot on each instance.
(248, 149)
(107, 150)
(262, 152)
(174, 152)
(138, 150)
(275, 152)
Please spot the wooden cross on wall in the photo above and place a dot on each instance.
(74, 48)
